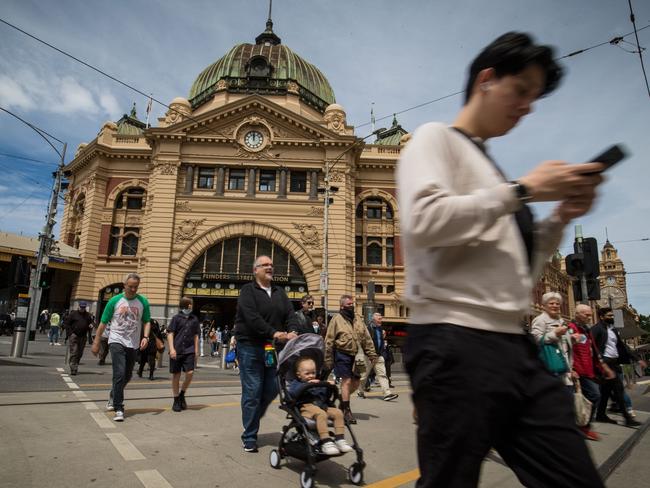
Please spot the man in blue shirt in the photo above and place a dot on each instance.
(183, 337)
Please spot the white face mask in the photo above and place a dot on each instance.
(186, 311)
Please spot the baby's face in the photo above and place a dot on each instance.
(306, 371)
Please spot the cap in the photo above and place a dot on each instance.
(83, 304)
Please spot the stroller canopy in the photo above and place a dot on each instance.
(305, 345)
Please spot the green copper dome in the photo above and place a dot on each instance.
(266, 67)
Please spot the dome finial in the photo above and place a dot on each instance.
(268, 37)
(133, 113)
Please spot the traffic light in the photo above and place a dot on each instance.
(593, 290)
(591, 265)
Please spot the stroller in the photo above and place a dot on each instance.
(299, 438)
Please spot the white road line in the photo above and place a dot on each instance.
(81, 395)
(103, 421)
(73, 386)
(67, 379)
(60, 370)
(151, 478)
(90, 405)
(127, 450)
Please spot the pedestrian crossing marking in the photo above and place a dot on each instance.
(124, 446)
(103, 421)
(151, 478)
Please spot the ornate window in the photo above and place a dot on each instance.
(131, 198)
(127, 217)
(74, 236)
(206, 178)
(375, 209)
(236, 179)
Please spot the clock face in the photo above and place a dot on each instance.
(611, 280)
(254, 139)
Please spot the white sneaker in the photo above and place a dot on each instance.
(329, 449)
(51, 343)
(119, 416)
(57, 343)
(631, 412)
(343, 445)
(109, 406)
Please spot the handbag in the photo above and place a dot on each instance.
(552, 357)
(160, 345)
(231, 356)
(582, 406)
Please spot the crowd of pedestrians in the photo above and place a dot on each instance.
(473, 252)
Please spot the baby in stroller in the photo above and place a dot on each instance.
(309, 402)
(313, 404)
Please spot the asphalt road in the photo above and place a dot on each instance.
(55, 433)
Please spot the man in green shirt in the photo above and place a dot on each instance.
(126, 313)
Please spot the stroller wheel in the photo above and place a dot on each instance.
(355, 474)
(275, 458)
(307, 478)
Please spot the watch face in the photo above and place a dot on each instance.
(253, 139)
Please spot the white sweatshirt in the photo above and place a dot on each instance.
(466, 261)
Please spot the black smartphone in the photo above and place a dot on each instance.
(610, 156)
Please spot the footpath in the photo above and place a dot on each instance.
(54, 432)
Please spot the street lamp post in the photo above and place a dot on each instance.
(46, 238)
(327, 191)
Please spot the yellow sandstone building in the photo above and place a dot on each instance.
(236, 170)
(231, 172)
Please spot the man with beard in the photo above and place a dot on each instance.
(615, 352)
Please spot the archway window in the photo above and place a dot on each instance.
(131, 198)
(374, 209)
(237, 255)
(125, 229)
(374, 251)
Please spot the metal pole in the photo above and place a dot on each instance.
(325, 271)
(46, 239)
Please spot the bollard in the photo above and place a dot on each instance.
(224, 351)
(17, 341)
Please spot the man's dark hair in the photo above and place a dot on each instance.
(185, 302)
(306, 298)
(510, 54)
(603, 311)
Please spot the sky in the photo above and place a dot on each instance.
(395, 54)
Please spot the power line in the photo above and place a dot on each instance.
(94, 68)
(25, 158)
(613, 41)
(25, 175)
(42, 132)
(638, 46)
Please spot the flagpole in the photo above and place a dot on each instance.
(149, 108)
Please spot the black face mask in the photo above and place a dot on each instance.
(348, 313)
(608, 321)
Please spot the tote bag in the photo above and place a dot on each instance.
(552, 357)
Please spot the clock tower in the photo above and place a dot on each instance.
(613, 289)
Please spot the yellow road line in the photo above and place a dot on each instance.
(397, 480)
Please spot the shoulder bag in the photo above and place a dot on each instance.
(552, 357)
(582, 406)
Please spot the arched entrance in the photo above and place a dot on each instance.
(105, 295)
(217, 275)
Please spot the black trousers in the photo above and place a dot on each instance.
(615, 388)
(474, 390)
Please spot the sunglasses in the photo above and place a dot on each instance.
(310, 303)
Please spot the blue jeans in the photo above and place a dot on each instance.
(53, 335)
(259, 388)
(123, 360)
(591, 391)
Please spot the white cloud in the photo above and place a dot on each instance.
(25, 89)
(12, 95)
